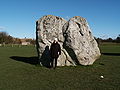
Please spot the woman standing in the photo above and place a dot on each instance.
(55, 51)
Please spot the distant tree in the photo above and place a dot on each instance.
(118, 39)
(4, 37)
(32, 41)
(109, 40)
(9, 40)
(99, 40)
(16, 41)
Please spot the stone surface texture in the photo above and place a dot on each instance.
(78, 37)
(74, 36)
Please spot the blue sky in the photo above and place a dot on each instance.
(18, 17)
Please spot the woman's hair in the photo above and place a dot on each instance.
(55, 39)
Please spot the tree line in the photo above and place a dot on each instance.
(5, 38)
(116, 40)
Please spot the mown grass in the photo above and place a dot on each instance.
(19, 74)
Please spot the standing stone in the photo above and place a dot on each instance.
(47, 28)
(74, 36)
(79, 41)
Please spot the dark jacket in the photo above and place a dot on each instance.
(54, 49)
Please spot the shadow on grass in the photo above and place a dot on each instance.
(30, 60)
(111, 54)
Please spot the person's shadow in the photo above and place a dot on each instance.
(45, 59)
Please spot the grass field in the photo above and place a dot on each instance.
(19, 71)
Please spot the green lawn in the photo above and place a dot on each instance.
(18, 71)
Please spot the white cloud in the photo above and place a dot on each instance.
(2, 28)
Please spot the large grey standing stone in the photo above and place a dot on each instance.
(47, 28)
(75, 38)
(79, 40)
